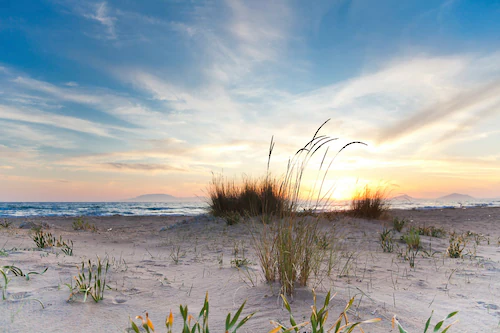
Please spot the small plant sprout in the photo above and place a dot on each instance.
(317, 320)
(386, 240)
(91, 280)
(438, 328)
(199, 325)
(80, 224)
(398, 224)
(412, 240)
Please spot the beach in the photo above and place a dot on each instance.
(160, 262)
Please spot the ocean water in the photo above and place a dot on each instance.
(31, 209)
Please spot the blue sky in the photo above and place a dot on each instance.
(108, 100)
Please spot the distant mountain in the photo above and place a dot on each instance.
(455, 197)
(161, 198)
(403, 197)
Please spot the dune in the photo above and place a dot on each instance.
(158, 263)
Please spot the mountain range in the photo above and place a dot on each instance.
(449, 197)
(161, 198)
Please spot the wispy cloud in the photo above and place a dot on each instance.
(66, 122)
(100, 12)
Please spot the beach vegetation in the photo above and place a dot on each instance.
(412, 240)
(318, 317)
(370, 204)
(46, 239)
(16, 271)
(457, 244)
(431, 231)
(80, 224)
(5, 223)
(289, 243)
(91, 280)
(398, 224)
(194, 325)
(230, 200)
(438, 328)
(387, 240)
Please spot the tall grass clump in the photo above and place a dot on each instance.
(249, 198)
(287, 245)
(369, 204)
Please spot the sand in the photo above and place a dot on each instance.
(158, 263)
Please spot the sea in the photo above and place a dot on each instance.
(33, 209)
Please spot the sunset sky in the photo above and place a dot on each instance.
(111, 100)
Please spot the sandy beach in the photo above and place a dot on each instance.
(158, 263)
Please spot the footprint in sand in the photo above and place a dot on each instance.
(120, 299)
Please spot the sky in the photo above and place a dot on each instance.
(108, 100)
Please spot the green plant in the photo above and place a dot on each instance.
(317, 320)
(67, 249)
(437, 328)
(412, 240)
(369, 204)
(431, 231)
(43, 239)
(80, 224)
(4, 271)
(91, 280)
(398, 224)
(200, 324)
(386, 240)
(457, 245)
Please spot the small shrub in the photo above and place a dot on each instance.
(457, 245)
(317, 320)
(5, 224)
(91, 280)
(438, 328)
(200, 324)
(398, 224)
(43, 239)
(46, 239)
(369, 204)
(386, 240)
(80, 224)
(431, 231)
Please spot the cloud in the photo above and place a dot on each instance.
(434, 114)
(45, 118)
(21, 133)
(100, 13)
(139, 167)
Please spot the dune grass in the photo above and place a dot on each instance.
(286, 240)
(370, 204)
(249, 198)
